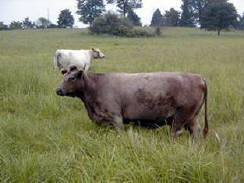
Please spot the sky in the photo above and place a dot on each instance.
(17, 10)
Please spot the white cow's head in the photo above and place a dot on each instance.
(96, 53)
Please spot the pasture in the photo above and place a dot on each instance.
(46, 138)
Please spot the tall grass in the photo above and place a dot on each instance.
(46, 138)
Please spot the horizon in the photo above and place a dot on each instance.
(9, 10)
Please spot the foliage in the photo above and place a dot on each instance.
(109, 24)
(65, 19)
(157, 18)
(187, 16)
(134, 18)
(46, 138)
(113, 24)
(172, 17)
(219, 15)
(3, 26)
(126, 5)
(27, 24)
(42, 22)
(198, 6)
(53, 26)
(15, 25)
(140, 32)
(192, 10)
(89, 10)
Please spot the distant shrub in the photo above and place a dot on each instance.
(121, 30)
(139, 31)
(112, 24)
(3, 26)
(52, 26)
(158, 31)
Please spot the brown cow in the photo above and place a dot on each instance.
(116, 98)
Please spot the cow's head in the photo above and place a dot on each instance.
(72, 82)
(96, 53)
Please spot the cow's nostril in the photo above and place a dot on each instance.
(59, 92)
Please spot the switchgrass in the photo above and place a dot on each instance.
(46, 138)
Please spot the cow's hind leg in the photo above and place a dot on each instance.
(194, 127)
(178, 123)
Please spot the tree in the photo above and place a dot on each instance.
(187, 15)
(27, 24)
(157, 18)
(198, 6)
(172, 17)
(126, 5)
(134, 18)
(219, 15)
(43, 22)
(3, 26)
(65, 19)
(89, 10)
(15, 25)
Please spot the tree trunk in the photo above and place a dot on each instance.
(218, 32)
(124, 11)
(125, 3)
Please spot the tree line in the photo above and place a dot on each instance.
(207, 14)
(65, 20)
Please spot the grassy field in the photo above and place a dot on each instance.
(46, 138)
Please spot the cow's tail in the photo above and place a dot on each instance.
(205, 129)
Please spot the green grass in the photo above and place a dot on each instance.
(46, 138)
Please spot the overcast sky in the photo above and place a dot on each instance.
(17, 10)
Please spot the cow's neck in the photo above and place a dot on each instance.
(91, 55)
(89, 93)
(86, 87)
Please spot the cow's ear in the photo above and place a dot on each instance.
(93, 49)
(79, 74)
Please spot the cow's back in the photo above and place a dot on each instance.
(66, 58)
(151, 95)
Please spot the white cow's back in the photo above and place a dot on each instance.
(80, 58)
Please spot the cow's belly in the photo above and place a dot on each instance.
(148, 112)
(67, 61)
(149, 106)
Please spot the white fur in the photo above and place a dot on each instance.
(80, 58)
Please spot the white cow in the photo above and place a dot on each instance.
(80, 58)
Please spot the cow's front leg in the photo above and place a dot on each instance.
(117, 122)
(86, 67)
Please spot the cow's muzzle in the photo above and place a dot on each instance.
(59, 92)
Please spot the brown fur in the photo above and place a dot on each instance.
(150, 98)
